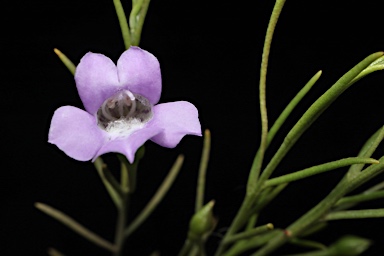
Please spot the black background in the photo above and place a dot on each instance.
(209, 52)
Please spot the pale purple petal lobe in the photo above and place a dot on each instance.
(177, 119)
(75, 132)
(128, 146)
(96, 80)
(139, 72)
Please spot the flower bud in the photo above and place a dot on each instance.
(202, 222)
(350, 246)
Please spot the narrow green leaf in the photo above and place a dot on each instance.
(54, 252)
(238, 221)
(291, 106)
(346, 246)
(139, 20)
(249, 233)
(367, 150)
(75, 226)
(252, 243)
(375, 66)
(277, 8)
(375, 188)
(316, 213)
(319, 169)
(156, 199)
(365, 175)
(112, 190)
(123, 23)
(314, 111)
(134, 15)
(355, 214)
(67, 62)
(203, 170)
(314, 228)
(185, 250)
(264, 201)
(254, 173)
(360, 198)
(129, 171)
(124, 176)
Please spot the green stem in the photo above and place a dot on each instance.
(114, 193)
(359, 198)
(202, 171)
(262, 202)
(186, 248)
(310, 116)
(305, 223)
(254, 172)
(75, 226)
(127, 186)
(120, 225)
(367, 150)
(249, 233)
(375, 66)
(134, 15)
(242, 215)
(239, 219)
(128, 172)
(263, 76)
(156, 199)
(254, 242)
(123, 23)
(345, 186)
(139, 21)
(355, 214)
(318, 169)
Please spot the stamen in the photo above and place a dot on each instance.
(121, 106)
(105, 110)
(123, 113)
(133, 108)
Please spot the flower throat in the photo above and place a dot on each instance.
(124, 111)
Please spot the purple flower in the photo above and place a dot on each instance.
(121, 112)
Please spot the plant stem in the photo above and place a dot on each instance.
(262, 84)
(316, 213)
(75, 226)
(120, 225)
(360, 198)
(319, 169)
(245, 208)
(139, 21)
(250, 233)
(254, 173)
(356, 214)
(202, 171)
(239, 220)
(156, 199)
(123, 23)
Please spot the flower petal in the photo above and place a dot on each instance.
(139, 72)
(129, 145)
(75, 132)
(177, 120)
(96, 80)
